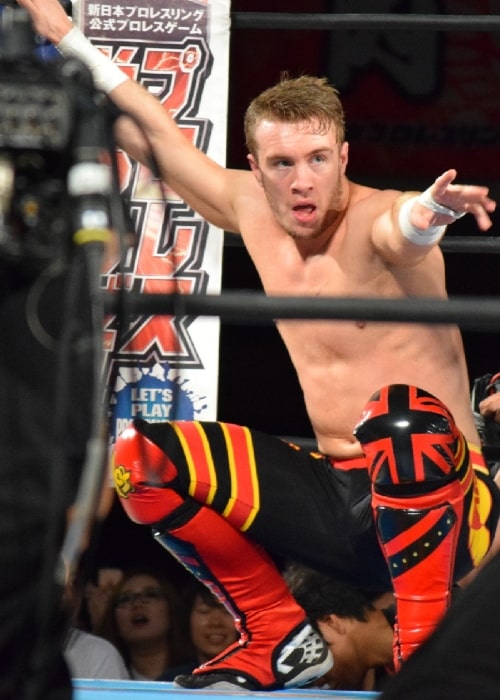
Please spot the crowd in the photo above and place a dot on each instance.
(137, 624)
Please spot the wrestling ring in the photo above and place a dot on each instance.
(470, 313)
(139, 690)
(254, 308)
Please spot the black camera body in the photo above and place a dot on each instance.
(43, 107)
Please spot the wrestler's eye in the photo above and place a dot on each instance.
(282, 163)
(318, 158)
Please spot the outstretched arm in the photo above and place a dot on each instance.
(417, 222)
(49, 18)
(207, 187)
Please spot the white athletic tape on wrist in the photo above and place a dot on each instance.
(428, 201)
(107, 76)
(419, 236)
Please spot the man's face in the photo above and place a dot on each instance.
(348, 671)
(301, 169)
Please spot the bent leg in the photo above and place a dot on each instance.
(277, 647)
(423, 482)
(294, 503)
(166, 477)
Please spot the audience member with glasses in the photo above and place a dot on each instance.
(142, 620)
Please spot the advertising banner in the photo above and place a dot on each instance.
(166, 367)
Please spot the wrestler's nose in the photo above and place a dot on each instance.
(302, 178)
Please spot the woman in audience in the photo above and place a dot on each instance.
(142, 621)
(208, 626)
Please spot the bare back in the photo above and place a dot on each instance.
(340, 364)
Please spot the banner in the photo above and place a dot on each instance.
(167, 367)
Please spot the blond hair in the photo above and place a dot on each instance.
(292, 100)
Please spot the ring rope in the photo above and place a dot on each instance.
(450, 244)
(248, 308)
(335, 22)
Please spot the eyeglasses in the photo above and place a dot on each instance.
(150, 595)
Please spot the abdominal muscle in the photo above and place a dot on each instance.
(340, 365)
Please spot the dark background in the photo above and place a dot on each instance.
(445, 82)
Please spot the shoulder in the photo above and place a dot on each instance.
(90, 656)
(244, 187)
(366, 209)
(94, 642)
(369, 200)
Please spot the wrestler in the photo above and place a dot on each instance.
(398, 493)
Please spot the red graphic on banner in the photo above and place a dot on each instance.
(171, 237)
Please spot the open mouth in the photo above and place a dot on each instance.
(304, 212)
(140, 620)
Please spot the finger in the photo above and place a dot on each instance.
(490, 205)
(442, 182)
(481, 215)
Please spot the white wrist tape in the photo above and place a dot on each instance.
(428, 201)
(419, 236)
(107, 76)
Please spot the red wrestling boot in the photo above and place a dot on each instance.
(415, 454)
(277, 648)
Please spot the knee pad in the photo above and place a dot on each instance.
(143, 474)
(409, 437)
(414, 447)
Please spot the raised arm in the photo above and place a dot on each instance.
(207, 187)
(417, 222)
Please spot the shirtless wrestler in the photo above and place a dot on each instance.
(398, 493)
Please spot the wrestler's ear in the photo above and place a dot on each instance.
(344, 156)
(254, 167)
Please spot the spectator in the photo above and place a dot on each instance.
(87, 655)
(142, 621)
(97, 596)
(209, 626)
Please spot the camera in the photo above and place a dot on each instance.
(44, 105)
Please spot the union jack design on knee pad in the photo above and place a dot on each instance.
(409, 436)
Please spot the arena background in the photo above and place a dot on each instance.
(417, 102)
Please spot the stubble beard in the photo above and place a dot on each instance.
(335, 212)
